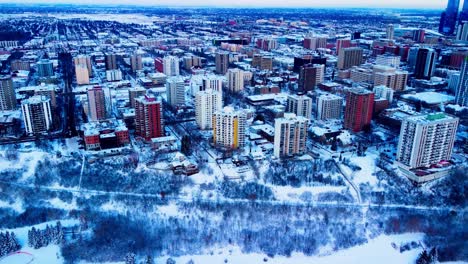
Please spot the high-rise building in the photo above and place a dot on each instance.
(206, 104)
(171, 66)
(310, 75)
(96, 104)
(388, 60)
(425, 64)
(148, 118)
(390, 31)
(464, 13)
(134, 93)
(136, 62)
(448, 18)
(299, 104)
(37, 114)
(262, 62)
(229, 128)
(235, 79)
(20, 65)
(461, 92)
(329, 107)
(82, 74)
(342, 44)
(7, 93)
(212, 82)
(358, 110)
(290, 135)
(419, 35)
(413, 56)
(111, 62)
(426, 140)
(401, 78)
(349, 57)
(192, 61)
(175, 91)
(85, 60)
(48, 91)
(45, 68)
(222, 62)
(314, 43)
(384, 92)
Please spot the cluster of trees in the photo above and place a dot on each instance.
(427, 257)
(8, 243)
(249, 190)
(50, 235)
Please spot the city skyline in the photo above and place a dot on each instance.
(430, 4)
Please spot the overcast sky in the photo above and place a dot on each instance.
(259, 3)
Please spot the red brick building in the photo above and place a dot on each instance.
(148, 118)
(359, 108)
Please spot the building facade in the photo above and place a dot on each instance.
(229, 128)
(148, 118)
(206, 104)
(329, 107)
(290, 135)
(37, 115)
(358, 109)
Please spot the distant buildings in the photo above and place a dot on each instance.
(310, 75)
(37, 114)
(175, 91)
(235, 79)
(299, 104)
(113, 75)
(136, 62)
(329, 107)
(84, 60)
(206, 104)
(349, 57)
(290, 135)
(171, 66)
(314, 43)
(229, 128)
(111, 62)
(96, 104)
(388, 60)
(148, 118)
(342, 44)
(390, 77)
(262, 62)
(7, 93)
(134, 93)
(426, 140)
(222, 62)
(384, 92)
(191, 61)
(461, 92)
(358, 110)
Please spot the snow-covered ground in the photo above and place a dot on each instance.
(378, 250)
(289, 193)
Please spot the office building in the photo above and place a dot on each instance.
(342, 44)
(37, 115)
(96, 104)
(314, 43)
(388, 60)
(448, 18)
(349, 57)
(462, 33)
(148, 118)
(206, 104)
(425, 64)
(419, 35)
(222, 62)
(175, 91)
(461, 92)
(229, 128)
(171, 66)
(7, 93)
(290, 135)
(299, 104)
(20, 65)
(310, 75)
(329, 107)
(212, 82)
(235, 79)
(426, 140)
(45, 68)
(358, 109)
(262, 62)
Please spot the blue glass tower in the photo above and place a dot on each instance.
(448, 19)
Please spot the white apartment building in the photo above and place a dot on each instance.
(299, 104)
(329, 106)
(37, 114)
(206, 104)
(175, 91)
(290, 135)
(229, 128)
(235, 79)
(171, 66)
(384, 92)
(426, 140)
